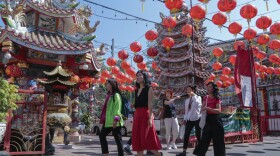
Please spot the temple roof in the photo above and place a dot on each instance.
(202, 74)
(58, 70)
(46, 42)
(68, 83)
(50, 10)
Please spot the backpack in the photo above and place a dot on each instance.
(125, 108)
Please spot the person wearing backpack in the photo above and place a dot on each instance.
(111, 117)
(170, 119)
(144, 136)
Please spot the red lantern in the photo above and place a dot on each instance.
(154, 65)
(263, 22)
(102, 80)
(263, 39)
(152, 52)
(270, 70)
(111, 61)
(248, 12)
(174, 5)
(250, 34)
(105, 73)
(257, 75)
(187, 30)
(138, 58)
(226, 5)
(87, 79)
(217, 66)
(278, 1)
(168, 43)
(141, 65)
(232, 59)
(255, 50)
(131, 72)
(224, 78)
(13, 71)
(219, 84)
(275, 29)
(263, 75)
(125, 65)
(231, 79)
(226, 71)
(122, 87)
(83, 86)
(122, 54)
(273, 58)
(212, 77)
(227, 84)
(274, 44)
(262, 68)
(237, 44)
(261, 55)
(115, 70)
(169, 23)
(257, 65)
(121, 76)
(151, 35)
(135, 47)
(219, 19)
(218, 52)
(277, 71)
(75, 78)
(235, 28)
(197, 13)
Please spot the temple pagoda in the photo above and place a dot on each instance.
(38, 33)
(178, 66)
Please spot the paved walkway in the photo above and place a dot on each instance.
(90, 146)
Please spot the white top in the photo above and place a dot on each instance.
(194, 113)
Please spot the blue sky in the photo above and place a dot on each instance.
(126, 31)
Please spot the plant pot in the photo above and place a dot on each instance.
(2, 130)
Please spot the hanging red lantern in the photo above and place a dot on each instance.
(273, 58)
(219, 19)
(257, 65)
(275, 29)
(226, 71)
(261, 55)
(237, 44)
(262, 68)
(255, 50)
(125, 65)
(87, 79)
(111, 61)
(263, 75)
(278, 1)
(131, 72)
(197, 13)
(227, 84)
(250, 34)
(187, 30)
(169, 23)
(212, 77)
(218, 52)
(122, 54)
(138, 58)
(141, 65)
(115, 70)
(263, 22)
(263, 39)
(168, 43)
(277, 71)
(75, 78)
(154, 65)
(102, 80)
(152, 52)
(219, 84)
(121, 76)
(274, 44)
(105, 73)
(270, 70)
(248, 12)
(226, 5)
(151, 35)
(217, 66)
(235, 28)
(13, 71)
(83, 86)
(231, 79)
(135, 47)
(174, 5)
(232, 59)
(122, 87)
(224, 78)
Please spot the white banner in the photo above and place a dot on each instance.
(246, 88)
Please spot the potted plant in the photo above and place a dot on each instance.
(8, 98)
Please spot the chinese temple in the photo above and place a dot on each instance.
(184, 63)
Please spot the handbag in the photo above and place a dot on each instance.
(203, 116)
(182, 132)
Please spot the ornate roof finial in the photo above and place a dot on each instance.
(59, 63)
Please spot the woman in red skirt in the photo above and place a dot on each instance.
(144, 136)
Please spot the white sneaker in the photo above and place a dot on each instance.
(173, 146)
(168, 147)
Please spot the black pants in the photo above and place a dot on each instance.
(129, 142)
(214, 130)
(189, 126)
(118, 138)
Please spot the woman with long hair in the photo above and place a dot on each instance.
(144, 136)
(170, 119)
(111, 117)
(213, 128)
(192, 117)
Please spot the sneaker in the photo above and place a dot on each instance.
(184, 153)
(127, 151)
(173, 146)
(168, 147)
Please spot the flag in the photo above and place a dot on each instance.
(244, 75)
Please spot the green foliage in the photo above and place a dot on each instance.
(8, 98)
(87, 120)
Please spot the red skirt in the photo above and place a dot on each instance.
(143, 136)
